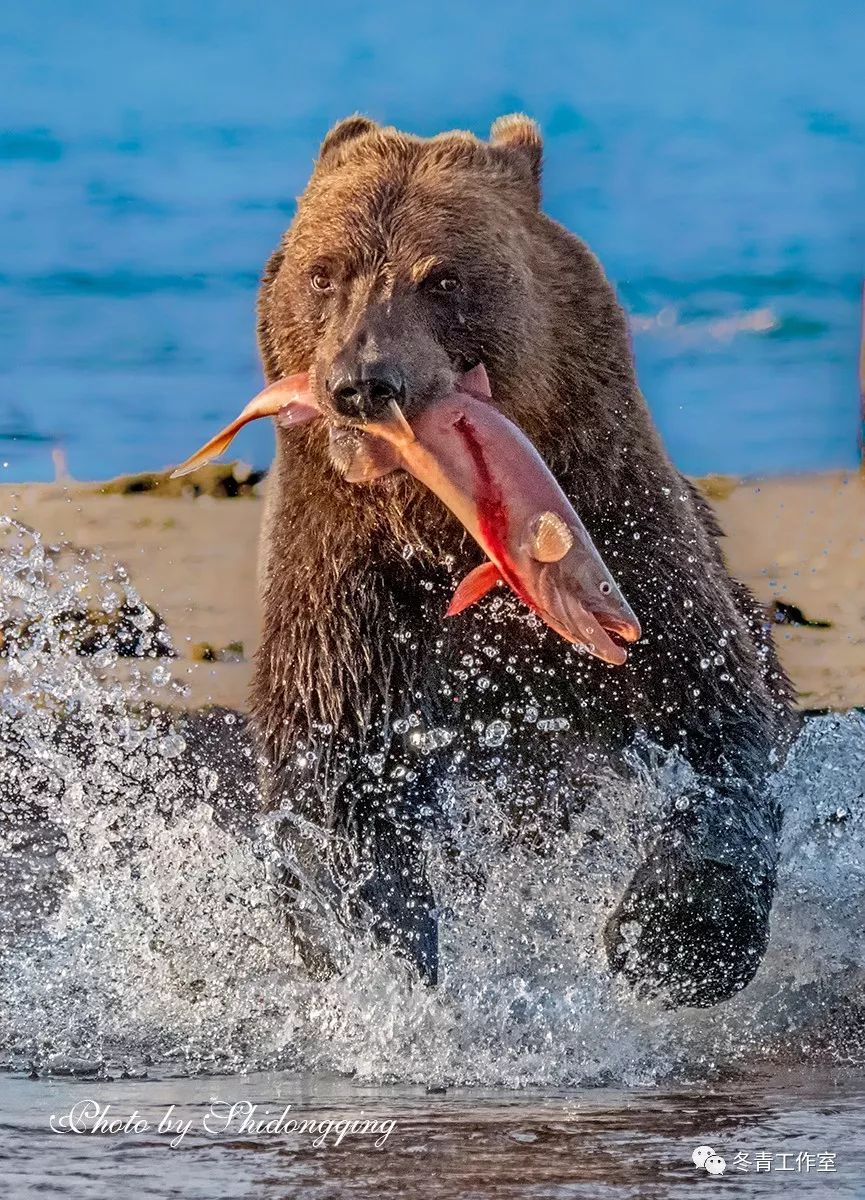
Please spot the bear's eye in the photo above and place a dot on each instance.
(320, 281)
(444, 284)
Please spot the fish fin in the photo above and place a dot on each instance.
(296, 412)
(476, 383)
(475, 585)
(288, 400)
(550, 538)
(212, 449)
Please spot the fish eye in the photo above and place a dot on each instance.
(605, 588)
(320, 281)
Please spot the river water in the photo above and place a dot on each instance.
(711, 154)
(468, 1143)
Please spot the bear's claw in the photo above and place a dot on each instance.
(689, 931)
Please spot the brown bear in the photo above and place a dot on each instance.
(409, 261)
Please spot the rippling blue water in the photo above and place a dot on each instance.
(713, 155)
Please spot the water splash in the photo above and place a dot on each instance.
(136, 920)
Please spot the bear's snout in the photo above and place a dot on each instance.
(363, 391)
(382, 351)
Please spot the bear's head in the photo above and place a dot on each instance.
(410, 260)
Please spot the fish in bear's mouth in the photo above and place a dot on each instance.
(495, 483)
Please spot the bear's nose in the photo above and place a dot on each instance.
(364, 394)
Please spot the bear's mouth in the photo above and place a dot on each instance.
(491, 477)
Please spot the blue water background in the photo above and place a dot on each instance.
(713, 154)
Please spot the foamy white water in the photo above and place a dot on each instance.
(138, 921)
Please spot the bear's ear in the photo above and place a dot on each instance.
(343, 132)
(520, 137)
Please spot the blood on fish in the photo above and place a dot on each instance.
(492, 511)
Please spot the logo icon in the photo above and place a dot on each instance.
(705, 1158)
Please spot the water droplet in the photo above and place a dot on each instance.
(171, 745)
(437, 739)
(495, 733)
(208, 780)
(375, 762)
(553, 724)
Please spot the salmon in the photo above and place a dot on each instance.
(496, 484)
(494, 481)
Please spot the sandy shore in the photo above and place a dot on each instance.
(800, 541)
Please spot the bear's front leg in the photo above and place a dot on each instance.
(348, 857)
(693, 924)
(395, 897)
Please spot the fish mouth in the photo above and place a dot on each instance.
(599, 633)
